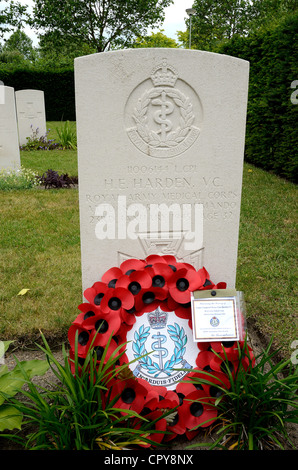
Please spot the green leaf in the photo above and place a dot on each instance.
(11, 382)
(10, 418)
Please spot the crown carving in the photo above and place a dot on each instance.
(157, 319)
(164, 75)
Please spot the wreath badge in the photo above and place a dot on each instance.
(145, 305)
(159, 367)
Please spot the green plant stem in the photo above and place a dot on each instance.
(250, 441)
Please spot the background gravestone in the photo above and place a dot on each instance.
(9, 141)
(31, 114)
(160, 133)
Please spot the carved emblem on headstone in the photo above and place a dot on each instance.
(163, 116)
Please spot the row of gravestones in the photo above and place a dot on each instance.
(22, 113)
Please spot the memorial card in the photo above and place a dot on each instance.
(215, 315)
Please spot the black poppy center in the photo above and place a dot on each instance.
(129, 272)
(196, 409)
(226, 365)
(134, 287)
(173, 268)
(148, 297)
(89, 314)
(101, 326)
(98, 298)
(128, 395)
(99, 352)
(227, 344)
(182, 284)
(83, 338)
(131, 310)
(158, 281)
(215, 392)
(114, 303)
(198, 386)
(181, 396)
(112, 283)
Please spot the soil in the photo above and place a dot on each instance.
(256, 341)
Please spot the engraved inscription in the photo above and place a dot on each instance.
(162, 121)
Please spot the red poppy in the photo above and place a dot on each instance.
(203, 345)
(95, 294)
(183, 282)
(84, 339)
(129, 394)
(160, 426)
(160, 274)
(197, 380)
(230, 361)
(175, 425)
(87, 310)
(104, 353)
(149, 299)
(135, 281)
(116, 300)
(153, 259)
(132, 264)
(204, 359)
(181, 310)
(103, 326)
(197, 410)
(111, 276)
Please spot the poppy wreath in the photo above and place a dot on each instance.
(113, 305)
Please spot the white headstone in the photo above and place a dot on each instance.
(31, 114)
(160, 152)
(9, 141)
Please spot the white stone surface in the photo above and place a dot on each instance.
(160, 126)
(31, 114)
(9, 141)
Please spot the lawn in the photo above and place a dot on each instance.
(62, 161)
(40, 251)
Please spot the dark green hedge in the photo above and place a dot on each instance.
(271, 136)
(58, 87)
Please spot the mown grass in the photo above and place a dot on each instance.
(40, 251)
(62, 161)
(267, 255)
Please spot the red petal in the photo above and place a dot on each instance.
(111, 274)
(130, 264)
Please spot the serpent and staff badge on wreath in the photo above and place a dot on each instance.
(163, 120)
(163, 344)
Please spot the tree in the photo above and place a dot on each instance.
(57, 50)
(155, 40)
(216, 21)
(103, 24)
(11, 15)
(219, 21)
(20, 42)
